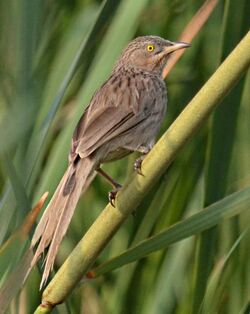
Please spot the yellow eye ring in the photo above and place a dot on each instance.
(150, 48)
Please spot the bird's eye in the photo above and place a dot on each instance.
(150, 48)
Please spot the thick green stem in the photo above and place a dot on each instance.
(155, 164)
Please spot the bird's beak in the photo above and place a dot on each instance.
(176, 46)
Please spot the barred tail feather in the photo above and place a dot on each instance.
(57, 216)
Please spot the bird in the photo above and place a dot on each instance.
(123, 116)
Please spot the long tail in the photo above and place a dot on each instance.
(57, 216)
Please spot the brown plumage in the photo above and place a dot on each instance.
(123, 116)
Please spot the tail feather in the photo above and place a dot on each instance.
(46, 218)
(57, 216)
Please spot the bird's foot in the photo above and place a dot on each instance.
(137, 165)
(112, 194)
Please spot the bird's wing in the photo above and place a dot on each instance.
(110, 113)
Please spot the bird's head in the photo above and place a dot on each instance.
(149, 53)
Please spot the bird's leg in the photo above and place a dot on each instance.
(115, 185)
(137, 164)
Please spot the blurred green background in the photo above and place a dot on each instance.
(53, 55)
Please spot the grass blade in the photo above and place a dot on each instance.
(205, 219)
